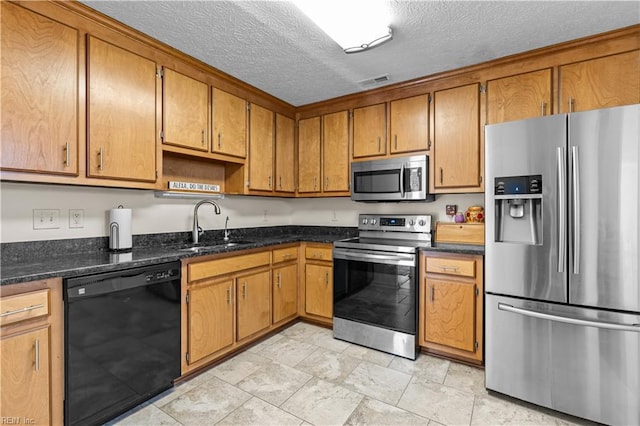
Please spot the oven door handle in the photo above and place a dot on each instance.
(375, 257)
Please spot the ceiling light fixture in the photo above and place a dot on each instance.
(356, 25)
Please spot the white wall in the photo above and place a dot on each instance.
(158, 215)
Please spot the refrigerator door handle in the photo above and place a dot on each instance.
(575, 178)
(567, 320)
(562, 209)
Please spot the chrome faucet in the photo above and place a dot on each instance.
(226, 231)
(197, 231)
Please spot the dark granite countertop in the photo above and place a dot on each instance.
(36, 260)
(456, 248)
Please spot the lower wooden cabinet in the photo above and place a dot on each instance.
(253, 312)
(233, 299)
(451, 307)
(317, 302)
(210, 318)
(31, 353)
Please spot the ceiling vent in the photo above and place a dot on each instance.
(375, 80)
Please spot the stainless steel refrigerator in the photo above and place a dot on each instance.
(562, 295)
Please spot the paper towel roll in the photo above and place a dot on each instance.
(120, 229)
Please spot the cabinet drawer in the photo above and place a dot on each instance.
(285, 254)
(319, 253)
(462, 267)
(24, 306)
(211, 268)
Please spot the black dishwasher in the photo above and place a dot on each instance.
(122, 340)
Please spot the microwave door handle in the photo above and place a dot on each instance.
(402, 181)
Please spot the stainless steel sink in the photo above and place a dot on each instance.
(197, 249)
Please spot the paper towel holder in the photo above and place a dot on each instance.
(117, 241)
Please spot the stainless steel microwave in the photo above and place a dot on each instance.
(391, 179)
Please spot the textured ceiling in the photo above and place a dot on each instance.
(273, 46)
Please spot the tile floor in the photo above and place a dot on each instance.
(303, 376)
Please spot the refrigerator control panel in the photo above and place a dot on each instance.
(511, 185)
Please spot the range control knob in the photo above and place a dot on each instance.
(373, 221)
(412, 222)
(421, 222)
(365, 221)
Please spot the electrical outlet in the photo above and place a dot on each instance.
(46, 219)
(76, 218)
(334, 216)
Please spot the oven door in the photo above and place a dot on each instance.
(376, 288)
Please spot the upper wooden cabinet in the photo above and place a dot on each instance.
(229, 124)
(370, 131)
(600, 83)
(409, 124)
(335, 152)
(121, 113)
(285, 154)
(520, 96)
(309, 155)
(260, 149)
(185, 111)
(39, 93)
(456, 137)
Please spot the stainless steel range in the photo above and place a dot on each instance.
(375, 283)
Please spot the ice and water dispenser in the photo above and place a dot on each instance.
(518, 208)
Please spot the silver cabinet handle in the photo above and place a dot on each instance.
(441, 176)
(66, 154)
(326, 279)
(570, 104)
(280, 182)
(568, 320)
(203, 136)
(315, 183)
(395, 142)
(431, 291)
(562, 209)
(100, 155)
(244, 290)
(36, 349)
(219, 140)
(378, 143)
(326, 182)
(228, 295)
(21, 310)
(449, 268)
(269, 182)
(575, 177)
(543, 108)
(279, 280)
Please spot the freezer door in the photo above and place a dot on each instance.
(583, 362)
(603, 208)
(531, 262)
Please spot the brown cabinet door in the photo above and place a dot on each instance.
(450, 314)
(39, 99)
(457, 138)
(370, 131)
(409, 124)
(600, 83)
(520, 96)
(26, 377)
(185, 111)
(254, 303)
(285, 292)
(309, 155)
(260, 149)
(229, 124)
(121, 113)
(285, 154)
(319, 290)
(335, 148)
(210, 319)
